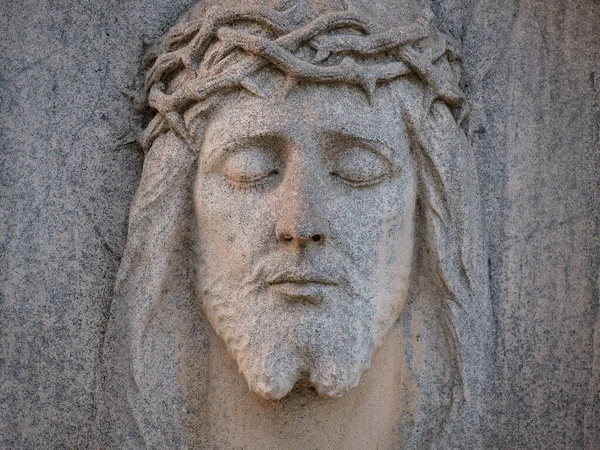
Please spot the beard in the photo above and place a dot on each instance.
(278, 341)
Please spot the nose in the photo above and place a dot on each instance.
(302, 221)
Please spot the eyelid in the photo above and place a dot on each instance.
(216, 155)
(376, 146)
(379, 149)
(379, 168)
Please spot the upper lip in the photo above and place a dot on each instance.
(296, 278)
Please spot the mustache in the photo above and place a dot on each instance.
(275, 269)
(329, 266)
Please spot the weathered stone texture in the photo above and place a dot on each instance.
(69, 168)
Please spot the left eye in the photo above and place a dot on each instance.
(249, 166)
(360, 167)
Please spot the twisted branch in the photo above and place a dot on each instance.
(224, 69)
(371, 44)
(204, 31)
(349, 71)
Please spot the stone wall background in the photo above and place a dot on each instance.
(69, 169)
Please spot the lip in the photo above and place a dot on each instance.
(297, 286)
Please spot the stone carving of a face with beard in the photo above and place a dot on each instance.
(306, 180)
(305, 206)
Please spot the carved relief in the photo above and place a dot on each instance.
(308, 198)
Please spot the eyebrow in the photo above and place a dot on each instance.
(256, 139)
(239, 141)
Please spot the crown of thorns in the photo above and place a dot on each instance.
(360, 58)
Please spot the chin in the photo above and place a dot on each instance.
(278, 344)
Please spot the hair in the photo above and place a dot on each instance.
(217, 49)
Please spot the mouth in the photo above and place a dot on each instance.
(300, 287)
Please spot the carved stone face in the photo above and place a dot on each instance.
(305, 207)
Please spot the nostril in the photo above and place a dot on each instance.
(302, 241)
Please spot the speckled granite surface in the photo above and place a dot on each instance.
(69, 169)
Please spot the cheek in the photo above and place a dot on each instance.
(230, 222)
(395, 262)
(379, 234)
(374, 223)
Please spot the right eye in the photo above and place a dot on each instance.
(248, 167)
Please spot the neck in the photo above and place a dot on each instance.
(368, 416)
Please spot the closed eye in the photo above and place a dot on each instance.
(360, 167)
(249, 167)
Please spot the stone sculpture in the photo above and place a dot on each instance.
(309, 206)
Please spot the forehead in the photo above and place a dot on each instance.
(308, 109)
